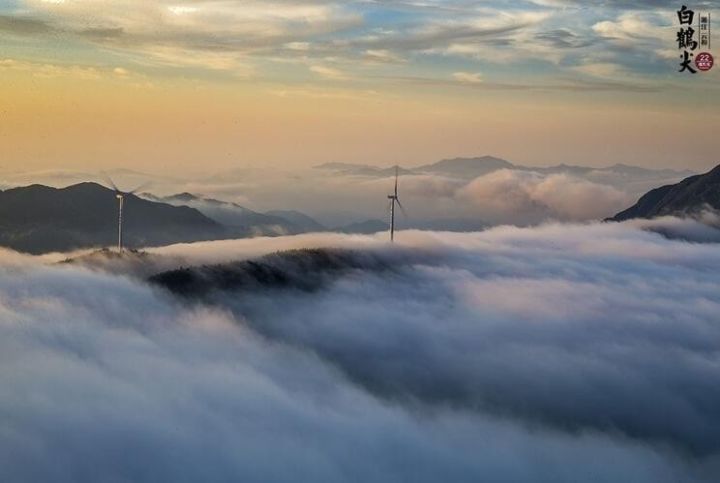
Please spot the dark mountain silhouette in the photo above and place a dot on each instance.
(131, 262)
(244, 220)
(341, 166)
(302, 269)
(302, 221)
(352, 169)
(687, 197)
(276, 222)
(467, 167)
(39, 219)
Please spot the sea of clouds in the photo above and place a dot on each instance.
(559, 353)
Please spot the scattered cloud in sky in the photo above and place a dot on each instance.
(383, 56)
(468, 77)
(246, 37)
(46, 70)
(328, 72)
(416, 77)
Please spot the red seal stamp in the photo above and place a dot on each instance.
(704, 61)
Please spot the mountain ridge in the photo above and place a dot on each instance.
(473, 167)
(38, 219)
(688, 197)
(245, 220)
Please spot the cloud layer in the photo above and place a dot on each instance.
(558, 353)
(526, 197)
(609, 46)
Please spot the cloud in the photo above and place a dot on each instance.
(383, 56)
(23, 26)
(525, 330)
(328, 72)
(629, 26)
(564, 85)
(563, 38)
(468, 77)
(50, 71)
(624, 4)
(487, 28)
(406, 38)
(43, 70)
(601, 69)
(552, 354)
(700, 228)
(219, 32)
(527, 197)
(172, 56)
(432, 201)
(298, 46)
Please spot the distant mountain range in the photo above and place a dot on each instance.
(39, 219)
(300, 221)
(271, 223)
(362, 169)
(242, 220)
(468, 168)
(688, 197)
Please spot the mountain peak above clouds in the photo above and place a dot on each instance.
(39, 218)
(690, 196)
(474, 167)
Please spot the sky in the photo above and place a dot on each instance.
(208, 85)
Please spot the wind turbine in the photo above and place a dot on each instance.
(394, 199)
(120, 195)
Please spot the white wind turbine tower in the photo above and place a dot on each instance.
(394, 199)
(120, 195)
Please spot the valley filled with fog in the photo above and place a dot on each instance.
(462, 194)
(562, 352)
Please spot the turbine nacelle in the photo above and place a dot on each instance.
(394, 199)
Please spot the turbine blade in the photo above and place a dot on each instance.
(402, 208)
(108, 180)
(396, 179)
(141, 187)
